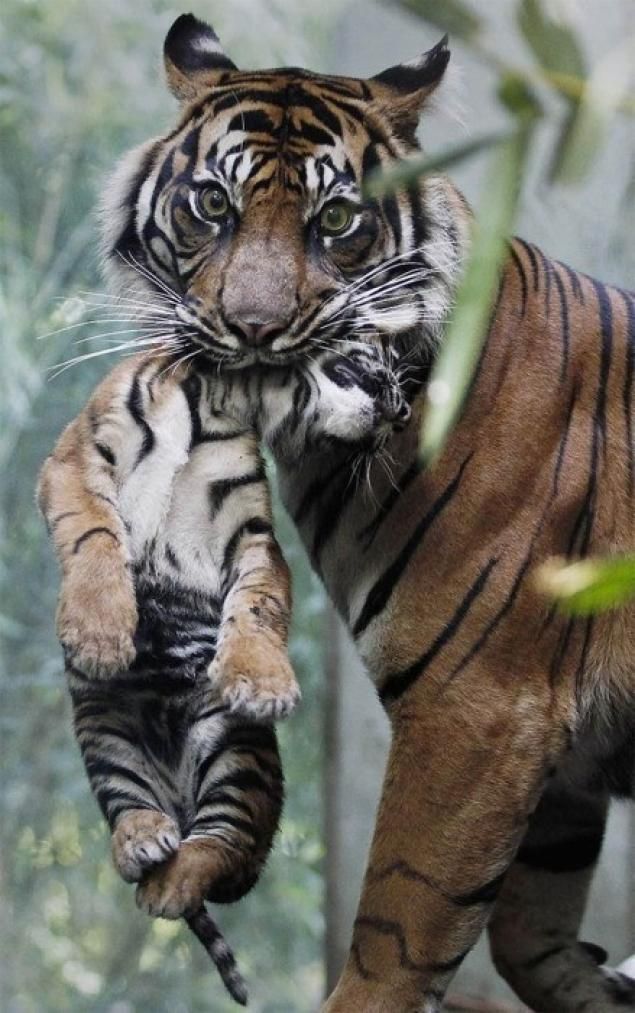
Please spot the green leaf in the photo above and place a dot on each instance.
(553, 43)
(450, 16)
(518, 96)
(588, 121)
(465, 335)
(587, 586)
(408, 171)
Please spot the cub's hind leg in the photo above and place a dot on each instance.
(237, 792)
(141, 839)
(535, 924)
(124, 780)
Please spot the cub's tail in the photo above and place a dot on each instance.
(207, 932)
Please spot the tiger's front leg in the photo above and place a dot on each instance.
(466, 768)
(251, 670)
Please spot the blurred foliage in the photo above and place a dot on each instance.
(587, 586)
(80, 83)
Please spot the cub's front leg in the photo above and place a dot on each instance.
(251, 669)
(97, 611)
(79, 494)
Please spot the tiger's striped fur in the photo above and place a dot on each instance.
(174, 610)
(503, 713)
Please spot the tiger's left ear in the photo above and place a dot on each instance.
(193, 57)
(402, 91)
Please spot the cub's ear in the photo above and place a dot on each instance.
(194, 58)
(402, 91)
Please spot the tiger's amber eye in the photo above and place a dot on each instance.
(212, 202)
(335, 218)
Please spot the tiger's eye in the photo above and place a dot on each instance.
(335, 218)
(212, 202)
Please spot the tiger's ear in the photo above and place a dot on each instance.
(194, 58)
(402, 91)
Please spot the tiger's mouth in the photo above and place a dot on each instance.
(201, 340)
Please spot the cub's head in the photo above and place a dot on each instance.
(250, 227)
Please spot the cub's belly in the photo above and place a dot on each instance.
(177, 630)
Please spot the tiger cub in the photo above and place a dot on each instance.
(174, 609)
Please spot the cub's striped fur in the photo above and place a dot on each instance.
(512, 726)
(174, 611)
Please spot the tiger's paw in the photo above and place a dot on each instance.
(255, 680)
(143, 839)
(96, 622)
(179, 886)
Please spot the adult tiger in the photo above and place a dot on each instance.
(511, 726)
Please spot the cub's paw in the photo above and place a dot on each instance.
(179, 886)
(96, 622)
(255, 680)
(143, 839)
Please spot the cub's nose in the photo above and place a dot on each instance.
(255, 331)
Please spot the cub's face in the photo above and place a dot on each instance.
(252, 222)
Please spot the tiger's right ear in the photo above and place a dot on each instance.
(193, 57)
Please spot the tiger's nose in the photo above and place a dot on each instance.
(255, 331)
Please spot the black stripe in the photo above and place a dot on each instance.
(368, 532)
(511, 598)
(564, 325)
(395, 929)
(219, 491)
(315, 135)
(225, 798)
(548, 272)
(395, 685)
(330, 514)
(533, 260)
(241, 780)
(135, 407)
(523, 280)
(254, 526)
(419, 230)
(382, 589)
(627, 393)
(106, 499)
(391, 211)
(484, 894)
(100, 766)
(208, 762)
(125, 803)
(496, 619)
(105, 452)
(586, 644)
(606, 332)
(89, 534)
(316, 489)
(219, 437)
(362, 970)
(62, 517)
(101, 730)
(128, 240)
(223, 819)
(574, 281)
(192, 390)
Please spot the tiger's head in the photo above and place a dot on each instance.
(249, 223)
